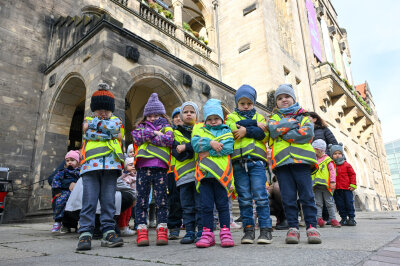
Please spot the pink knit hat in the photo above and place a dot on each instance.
(73, 154)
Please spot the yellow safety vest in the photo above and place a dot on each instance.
(282, 149)
(148, 150)
(247, 146)
(219, 166)
(94, 149)
(189, 165)
(322, 177)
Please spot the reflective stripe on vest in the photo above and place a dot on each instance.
(150, 151)
(190, 166)
(283, 154)
(322, 176)
(250, 147)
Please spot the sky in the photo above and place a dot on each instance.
(373, 32)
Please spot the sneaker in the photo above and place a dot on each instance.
(65, 230)
(265, 236)
(292, 236)
(126, 231)
(328, 222)
(189, 238)
(321, 222)
(162, 235)
(234, 225)
(282, 225)
(351, 222)
(198, 236)
(174, 234)
(343, 222)
(111, 240)
(313, 236)
(335, 223)
(249, 235)
(239, 220)
(85, 242)
(207, 239)
(142, 238)
(226, 238)
(56, 228)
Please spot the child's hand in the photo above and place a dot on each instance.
(119, 137)
(71, 186)
(240, 133)
(351, 188)
(157, 133)
(216, 145)
(181, 148)
(57, 195)
(332, 186)
(204, 154)
(85, 127)
(262, 126)
(231, 189)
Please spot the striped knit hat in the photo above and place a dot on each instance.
(102, 99)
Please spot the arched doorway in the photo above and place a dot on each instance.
(64, 130)
(137, 97)
(357, 203)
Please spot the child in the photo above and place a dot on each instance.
(130, 151)
(101, 164)
(346, 183)
(293, 160)
(174, 203)
(324, 183)
(214, 143)
(62, 185)
(249, 165)
(154, 137)
(185, 166)
(126, 184)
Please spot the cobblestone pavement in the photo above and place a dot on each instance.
(374, 241)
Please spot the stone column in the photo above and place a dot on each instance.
(178, 18)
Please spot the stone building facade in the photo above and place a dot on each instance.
(54, 53)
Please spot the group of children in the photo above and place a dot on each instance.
(210, 161)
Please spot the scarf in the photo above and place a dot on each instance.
(340, 161)
(292, 110)
(158, 124)
(248, 114)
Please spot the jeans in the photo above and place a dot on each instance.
(191, 209)
(345, 203)
(98, 185)
(296, 179)
(174, 203)
(213, 192)
(145, 178)
(322, 195)
(251, 186)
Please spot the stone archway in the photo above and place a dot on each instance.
(357, 203)
(137, 97)
(64, 130)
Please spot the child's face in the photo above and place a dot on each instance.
(130, 168)
(189, 115)
(337, 155)
(177, 120)
(284, 101)
(71, 162)
(245, 104)
(319, 153)
(104, 114)
(214, 120)
(131, 153)
(152, 118)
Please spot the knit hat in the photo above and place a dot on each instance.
(213, 107)
(130, 148)
(195, 107)
(246, 91)
(319, 144)
(285, 89)
(102, 99)
(154, 106)
(73, 154)
(176, 111)
(128, 160)
(333, 148)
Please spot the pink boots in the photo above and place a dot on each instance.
(226, 238)
(208, 239)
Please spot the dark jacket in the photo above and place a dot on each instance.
(188, 153)
(325, 134)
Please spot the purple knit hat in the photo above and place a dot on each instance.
(154, 106)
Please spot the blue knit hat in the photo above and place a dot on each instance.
(176, 111)
(213, 107)
(246, 91)
(285, 89)
(154, 106)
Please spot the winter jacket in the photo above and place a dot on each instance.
(325, 134)
(188, 153)
(345, 176)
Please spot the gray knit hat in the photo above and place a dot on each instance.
(334, 148)
(319, 144)
(195, 107)
(285, 89)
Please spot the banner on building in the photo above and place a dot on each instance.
(313, 26)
